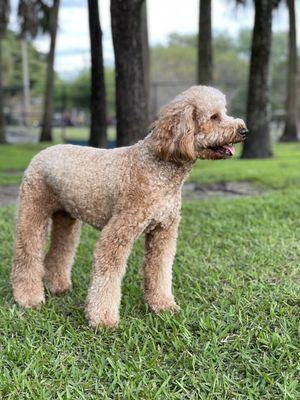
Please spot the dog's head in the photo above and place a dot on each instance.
(195, 125)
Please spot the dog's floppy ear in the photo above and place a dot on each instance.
(174, 133)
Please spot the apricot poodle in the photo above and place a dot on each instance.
(123, 192)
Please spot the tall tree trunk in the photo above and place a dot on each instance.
(205, 57)
(146, 55)
(258, 145)
(26, 82)
(46, 133)
(291, 131)
(4, 17)
(2, 121)
(28, 18)
(131, 104)
(98, 98)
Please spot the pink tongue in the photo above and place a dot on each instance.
(229, 149)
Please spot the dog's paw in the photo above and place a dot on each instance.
(58, 285)
(103, 323)
(32, 297)
(101, 316)
(104, 320)
(158, 305)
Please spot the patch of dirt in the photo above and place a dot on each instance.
(195, 191)
(13, 172)
(8, 195)
(191, 191)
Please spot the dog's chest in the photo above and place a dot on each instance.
(164, 212)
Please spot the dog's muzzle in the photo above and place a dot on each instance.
(243, 132)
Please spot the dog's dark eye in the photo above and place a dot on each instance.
(214, 116)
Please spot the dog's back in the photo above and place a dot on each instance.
(86, 181)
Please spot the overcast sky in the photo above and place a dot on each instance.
(164, 16)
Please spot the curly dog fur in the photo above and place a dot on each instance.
(124, 192)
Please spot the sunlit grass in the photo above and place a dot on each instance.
(279, 172)
(236, 277)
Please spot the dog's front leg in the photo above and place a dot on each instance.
(160, 248)
(110, 257)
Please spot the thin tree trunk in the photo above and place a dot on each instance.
(26, 83)
(46, 133)
(2, 120)
(98, 98)
(146, 56)
(205, 57)
(131, 103)
(258, 145)
(291, 131)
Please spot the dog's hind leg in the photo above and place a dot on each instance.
(31, 231)
(65, 236)
(160, 248)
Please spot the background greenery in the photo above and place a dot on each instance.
(12, 69)
(173, 62)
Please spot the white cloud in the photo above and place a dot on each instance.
(168, 16)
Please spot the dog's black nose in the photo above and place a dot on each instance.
(243, 132)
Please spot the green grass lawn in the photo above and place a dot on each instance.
(79, 133)
(280, 172)
(236, 278)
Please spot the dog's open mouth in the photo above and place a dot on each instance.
(226, 150)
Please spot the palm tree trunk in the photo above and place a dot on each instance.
(46, 133)
(146, 55)
(258, 145)
(2, 120)
(131, 103)
(291, 131)
(98, 98)
(205, 57)
(26, 82)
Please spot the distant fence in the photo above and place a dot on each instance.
(26, 124)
